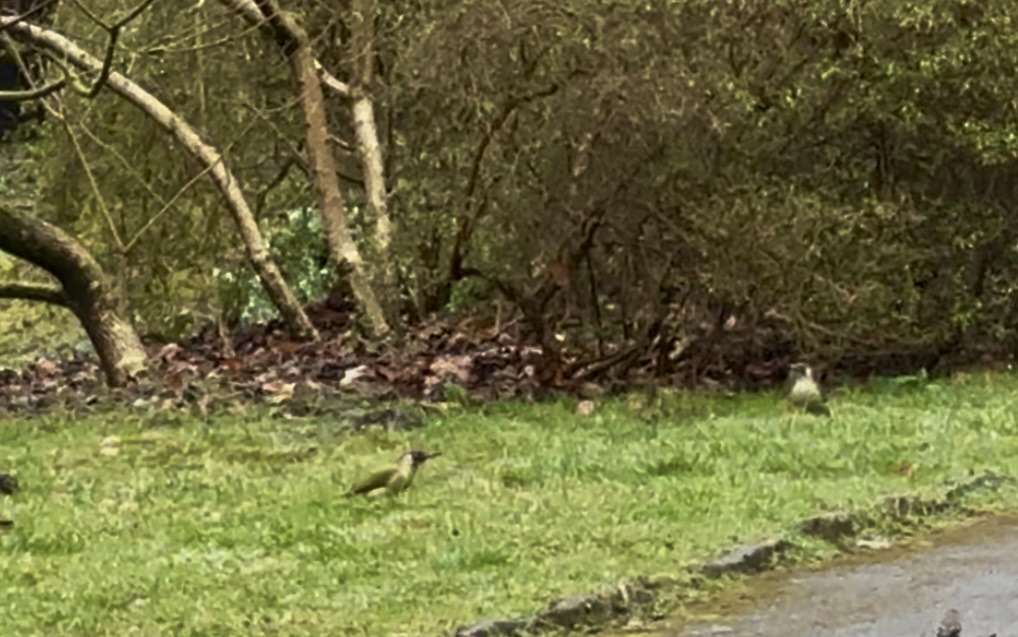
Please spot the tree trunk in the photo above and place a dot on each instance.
(275, 286)
(293, 41)
(366, 130)
(323, 166)
(84, 290)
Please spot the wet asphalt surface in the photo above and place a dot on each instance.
(890, 594)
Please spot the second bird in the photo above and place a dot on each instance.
(394, 479)
(805, 393)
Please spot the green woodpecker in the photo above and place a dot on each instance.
(394, 479)
(805, 393)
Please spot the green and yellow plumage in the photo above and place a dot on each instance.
(392, 480)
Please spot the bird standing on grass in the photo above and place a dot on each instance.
(8, 485)
(394, 479)
(805, 393)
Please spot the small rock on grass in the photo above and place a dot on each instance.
(747, 558)
(875, 544)
(495, 628)
(577, 611)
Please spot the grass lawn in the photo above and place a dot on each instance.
(238, 528)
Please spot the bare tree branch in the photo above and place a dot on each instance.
(258, 255)
(33, 94)
(83, 285)
(248, 9)
(52, 294)
(114, 30)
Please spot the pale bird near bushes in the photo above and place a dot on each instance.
(393, 480)
(805, 393)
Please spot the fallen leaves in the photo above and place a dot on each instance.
(450, 359)
(260, 363)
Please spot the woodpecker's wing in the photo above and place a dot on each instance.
(376, 480)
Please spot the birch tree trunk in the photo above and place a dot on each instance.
(366, 130)
(366, 281)
(334, 217)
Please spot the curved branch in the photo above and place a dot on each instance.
(35, 93)
(258, 255)
(474, 209)
(52, 294)
(111, 44)
(332, 81)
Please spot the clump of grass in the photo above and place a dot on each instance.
(238, 527)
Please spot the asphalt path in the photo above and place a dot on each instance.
(893, 593)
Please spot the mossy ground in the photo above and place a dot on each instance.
(238, 527)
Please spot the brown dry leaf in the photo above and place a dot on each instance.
(46, 367)
(353, 374)
(173, 381)
(169, 352)
(455, 368)
(277, 390)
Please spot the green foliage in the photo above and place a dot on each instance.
(237, 527)
(811, 162)
(468, 294)
(842, 170)
(306, 269)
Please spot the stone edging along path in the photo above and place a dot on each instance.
(589, 612)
